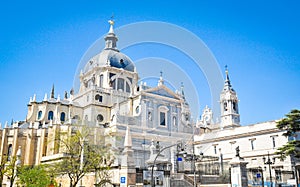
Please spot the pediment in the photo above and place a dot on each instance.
(162, 90)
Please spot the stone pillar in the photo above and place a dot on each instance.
(128, 171)
(238, 171)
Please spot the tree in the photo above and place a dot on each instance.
(2, 168)
(81, 156)
(34, 176)
(291, 125)
(101, 164)
(11, 169)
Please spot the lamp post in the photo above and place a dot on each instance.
(193, 158)
(269, 162)
(160, 150)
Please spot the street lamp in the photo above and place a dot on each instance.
(193, 158)
(269, 162)
(159, 151)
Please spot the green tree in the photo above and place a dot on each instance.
(34, 176)
(291, 125)
(81, 156)
(101, 164)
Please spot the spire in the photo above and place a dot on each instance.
(111, 28)
(128, 141)
(227, 85)
(111, 39)
(52, 92)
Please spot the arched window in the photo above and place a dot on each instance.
(40, 114)
(225, 106)
(98, 98)
(50, 115)
(9, 152)
(120, 84)
(101, 81)
(174, 121)
(62, 116)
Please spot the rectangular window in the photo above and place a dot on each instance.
(101, 81)
(273, 141)
(162, 118)
(252, 144)
(215, 149)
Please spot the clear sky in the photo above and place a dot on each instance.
(41, 43)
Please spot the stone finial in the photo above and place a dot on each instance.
(58, 98)
(30, 99)
(6, 124)
(128, 141)
(34, 98)
(45, 97)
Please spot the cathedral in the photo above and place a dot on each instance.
(134, 118)
(110, 100)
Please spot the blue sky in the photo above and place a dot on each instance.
(41, 44)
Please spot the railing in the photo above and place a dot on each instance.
(189, 179)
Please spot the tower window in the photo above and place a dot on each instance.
(98, 98)
(234, 106)
(62, 116)
(40, 115)
(50, 115)
(225, 106)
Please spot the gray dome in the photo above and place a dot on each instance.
(110, 57)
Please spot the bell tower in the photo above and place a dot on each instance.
(230, 116)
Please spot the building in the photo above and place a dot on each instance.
(110, 100)
(130, 116)
(255, 142)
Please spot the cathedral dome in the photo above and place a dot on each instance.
(110, 57)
